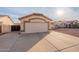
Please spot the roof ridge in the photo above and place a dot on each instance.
(34, 14)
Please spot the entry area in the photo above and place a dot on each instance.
(15, 28)
(36, 27)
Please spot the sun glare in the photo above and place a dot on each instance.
(60, 12)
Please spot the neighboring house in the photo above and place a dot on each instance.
(75, 24)
(66, 24)
(35, 23)
(5, 24)
(58, 24)
(71, 23)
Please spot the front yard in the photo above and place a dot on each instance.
(56, 41)
(74, 32)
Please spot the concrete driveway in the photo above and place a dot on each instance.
(54, 41)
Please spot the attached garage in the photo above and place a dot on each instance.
(36, 27)
(35, 23)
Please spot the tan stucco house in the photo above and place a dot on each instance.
(5, 23)
(35, 23)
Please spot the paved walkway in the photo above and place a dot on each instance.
(54, 41)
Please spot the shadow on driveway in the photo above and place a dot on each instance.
(27, 41)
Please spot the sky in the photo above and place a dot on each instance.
(54, 13)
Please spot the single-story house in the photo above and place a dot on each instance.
(65, 24)
(35, 23)
(5, 23)
(59, 24)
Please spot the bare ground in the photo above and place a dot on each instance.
(74, 32)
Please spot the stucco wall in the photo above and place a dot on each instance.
(6, 28)
(21, 25)
(34, 16)
(6, 20)
(6, 23)
(37, 20)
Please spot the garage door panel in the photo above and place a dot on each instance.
(36, 27)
